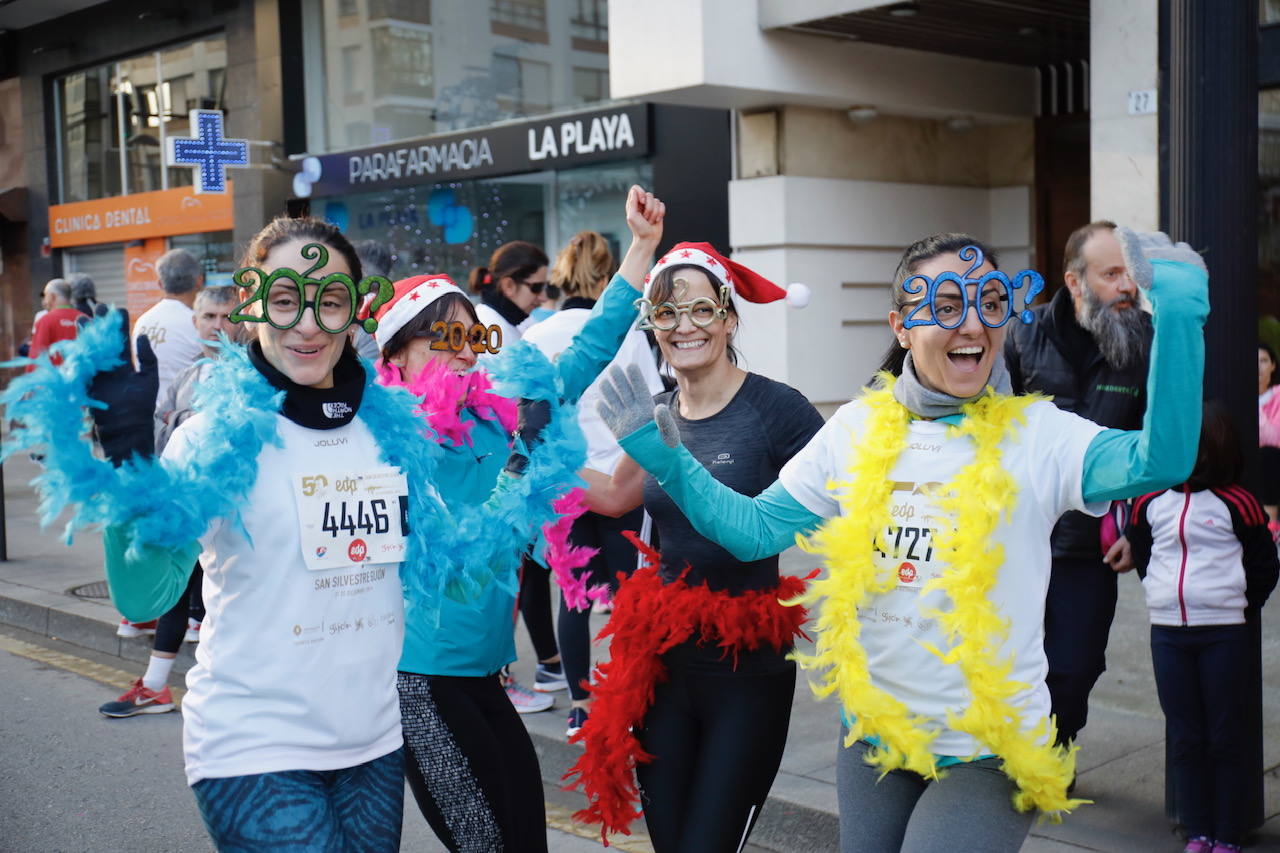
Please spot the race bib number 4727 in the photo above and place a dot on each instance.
(346, 518)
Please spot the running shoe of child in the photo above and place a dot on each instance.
(129, 630)
(193, 631)
(1224, 847)
(524, 699)
(139, 700)
(549, 677)
(577, 719)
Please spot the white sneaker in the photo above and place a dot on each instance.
(193, 632)
(547, 680)
(524, 699)
(129, 630)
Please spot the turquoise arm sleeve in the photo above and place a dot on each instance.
(1122, 464)
(748, 528)
(595, 346)
(146, 586)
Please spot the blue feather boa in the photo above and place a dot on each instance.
(454, 551)
(487, 540)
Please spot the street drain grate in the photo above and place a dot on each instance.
(97, 589)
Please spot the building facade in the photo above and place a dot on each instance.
(440, 129)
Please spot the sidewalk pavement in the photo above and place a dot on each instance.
(1121, 752)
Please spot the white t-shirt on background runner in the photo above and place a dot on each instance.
(1046, 459)
(553, 336)
(172, 336)
(296, 668)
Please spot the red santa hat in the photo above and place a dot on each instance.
(741, 281)
(411, 296)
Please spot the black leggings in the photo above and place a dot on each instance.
(172, 626)
(717, 741)
(615, 555)
(535, 607)
(471, 764)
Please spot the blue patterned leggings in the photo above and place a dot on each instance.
(307, 811)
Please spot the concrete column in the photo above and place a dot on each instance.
(1125, 162)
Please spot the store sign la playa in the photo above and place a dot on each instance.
(606, 133)
(570, 140)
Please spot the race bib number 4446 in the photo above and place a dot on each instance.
(346, 518)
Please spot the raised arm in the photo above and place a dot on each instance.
(614, 313)
(748, 528)
(616, 495)
(1121, 464)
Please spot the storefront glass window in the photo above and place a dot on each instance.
(454, 226)
(215, 251)
(114, 119)
(393, 69)
(1269, 216)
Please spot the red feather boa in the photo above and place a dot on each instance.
(649, 618)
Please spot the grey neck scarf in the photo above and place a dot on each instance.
(931, 404)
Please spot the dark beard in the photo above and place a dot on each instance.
(1120, 334)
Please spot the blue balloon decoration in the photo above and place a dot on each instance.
(459, 225)
(335, 212)
(438, 203)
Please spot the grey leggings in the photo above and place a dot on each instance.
(970, 808)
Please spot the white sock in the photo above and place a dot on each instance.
(157, 673)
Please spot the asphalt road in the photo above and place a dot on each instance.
(73, 781)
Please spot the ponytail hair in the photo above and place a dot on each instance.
(517, 260)
(584, 266)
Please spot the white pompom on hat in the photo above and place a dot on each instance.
(742, 281)
(412, 295)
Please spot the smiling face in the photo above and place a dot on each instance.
(305, 353)
(955, 361)
(689, 347)
(418, 353)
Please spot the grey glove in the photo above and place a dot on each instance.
(1141, 248)
(627, 405)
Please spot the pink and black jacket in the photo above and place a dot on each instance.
(1204, 556)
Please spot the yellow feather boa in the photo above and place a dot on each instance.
(976, 499)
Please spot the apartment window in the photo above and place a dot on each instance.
(590, 22)
(590, 85)
(523, 85)
(114, 119)
(403, 64)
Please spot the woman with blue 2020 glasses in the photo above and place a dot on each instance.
(931, 497)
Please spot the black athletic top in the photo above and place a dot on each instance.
(744, 446)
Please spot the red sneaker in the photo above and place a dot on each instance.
(129, 630)
(139, 700)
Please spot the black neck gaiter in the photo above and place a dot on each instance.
(508, 310)
(317, 408)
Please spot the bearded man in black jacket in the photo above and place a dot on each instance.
(1088, 348)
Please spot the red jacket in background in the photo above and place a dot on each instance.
(60, 324)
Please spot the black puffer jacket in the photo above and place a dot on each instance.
(1054, 355)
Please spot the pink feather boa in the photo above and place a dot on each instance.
(446, 394)
(563, 558)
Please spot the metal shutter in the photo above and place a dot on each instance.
(105, 266)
